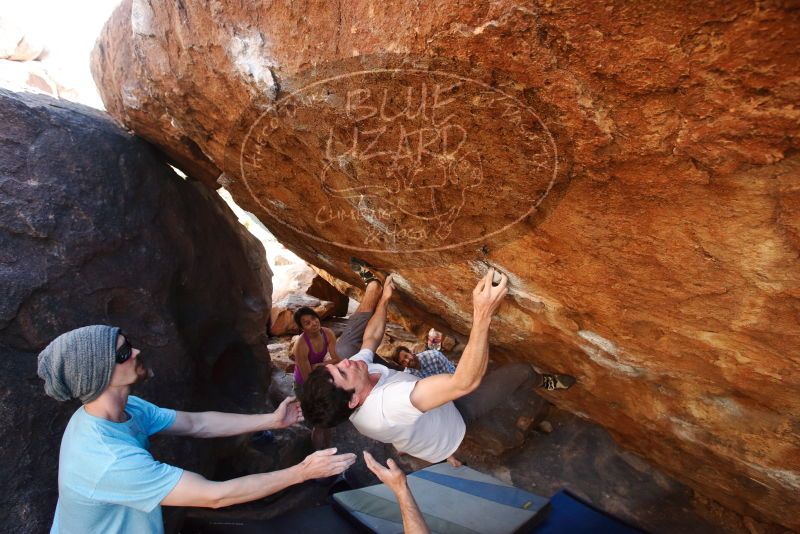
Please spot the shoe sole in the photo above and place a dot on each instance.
(361, 267)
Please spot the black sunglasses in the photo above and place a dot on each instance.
(124, 352)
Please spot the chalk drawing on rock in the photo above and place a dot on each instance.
(397, 160)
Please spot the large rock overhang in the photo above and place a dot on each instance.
(636, 178)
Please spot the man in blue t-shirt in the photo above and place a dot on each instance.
(107, 479)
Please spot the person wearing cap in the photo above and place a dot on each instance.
(107, 479)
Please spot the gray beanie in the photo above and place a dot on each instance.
(79, 363)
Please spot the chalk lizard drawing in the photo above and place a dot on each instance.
(399, 153)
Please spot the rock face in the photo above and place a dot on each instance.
(21, 65)
(15, 44)
(95, 228)
(28, 76)
(296, 286)
(631, 167)
(323, 290)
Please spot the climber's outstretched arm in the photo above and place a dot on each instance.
(434, 391)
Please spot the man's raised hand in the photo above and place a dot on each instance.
(486, 298)
(288, 413)
(395, 480)
(326, 463)
(388, 288)
(393, 477)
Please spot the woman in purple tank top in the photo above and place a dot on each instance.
(314, 343)
(309, 351)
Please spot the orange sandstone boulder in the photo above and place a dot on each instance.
(631, 167)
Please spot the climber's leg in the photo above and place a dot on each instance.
(495, 387)
(350, 341)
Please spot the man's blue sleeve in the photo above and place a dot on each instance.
(137, 480)
(150, 417)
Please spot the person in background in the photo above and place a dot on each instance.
(316, 344)
(424, 364)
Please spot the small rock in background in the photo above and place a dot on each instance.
(524, 423)
(21, 65)
(16, 44)
(503, 473)
(323, 290)
(448, 343)
(545, 427)
(280, 349)
(281, 261)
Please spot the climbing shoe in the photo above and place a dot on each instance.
(554, 382)
(364, 271)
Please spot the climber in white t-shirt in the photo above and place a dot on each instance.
(421, 417)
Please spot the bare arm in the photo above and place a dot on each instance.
(413, 522)
(334, 359)
(195, 490)
(395, 480)
(218, 424)
(300, 353)
(436, 390)
(373, 333)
